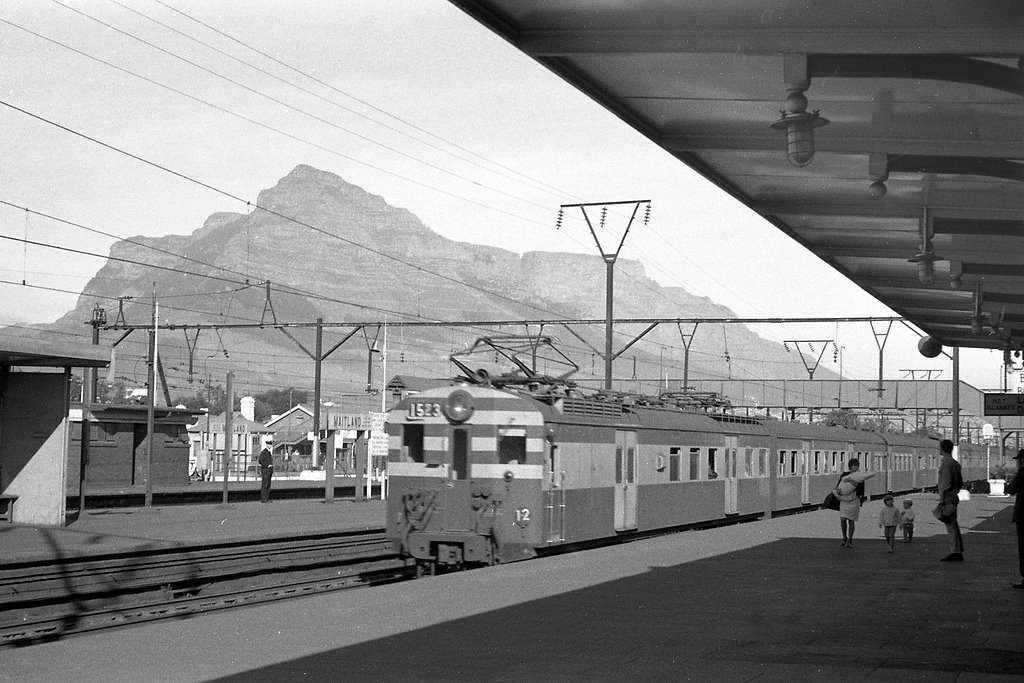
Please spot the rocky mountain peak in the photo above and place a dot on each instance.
(362, 259)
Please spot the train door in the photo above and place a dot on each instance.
(805, 473)
(555, 496)
(730, 478)
(457, 490)
(888, 459)
(625, 480)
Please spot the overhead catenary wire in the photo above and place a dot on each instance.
(491, 293)
(260, 124)
(256, 206)
(109, 64)
(543, 186)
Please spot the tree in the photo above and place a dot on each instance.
(843, 417)
(278, 401)
(268, 403)
(211, 397)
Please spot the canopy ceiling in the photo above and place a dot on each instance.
(922, 158)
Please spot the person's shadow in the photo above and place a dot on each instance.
(1001, 521)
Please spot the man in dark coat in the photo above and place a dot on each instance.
(266, 463)
(950, 482)
(1016, 488)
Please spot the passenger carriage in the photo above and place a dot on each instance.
(479, 474)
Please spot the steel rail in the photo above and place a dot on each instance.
(47, 627)
(27, 583)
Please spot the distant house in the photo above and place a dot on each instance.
(247, 439)
(292, 445)
(345, 428)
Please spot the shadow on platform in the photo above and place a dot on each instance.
(794, 609)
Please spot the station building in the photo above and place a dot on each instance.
(35, 383)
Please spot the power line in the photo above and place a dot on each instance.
(259, 124)
(540, 185)
(109, 64)
(659, 293)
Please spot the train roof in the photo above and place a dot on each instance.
(800, 430)
(898, 439)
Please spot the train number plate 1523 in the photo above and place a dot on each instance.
(418, 411)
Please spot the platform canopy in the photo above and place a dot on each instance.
(15, 350)
(904, 120)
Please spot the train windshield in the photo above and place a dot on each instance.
(512, 449)
(412, 442)
(460, 453)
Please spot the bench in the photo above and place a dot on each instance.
(7, 507)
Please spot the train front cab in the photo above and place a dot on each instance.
(465, 468)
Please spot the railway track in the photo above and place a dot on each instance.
(43, 600)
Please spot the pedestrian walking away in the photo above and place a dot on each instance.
(266, 463)
(950, 481)
(1016, 488)
(850, 492)
(907, 520)
(888, 520)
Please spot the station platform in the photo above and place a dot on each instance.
(102, 531)
(772, 600)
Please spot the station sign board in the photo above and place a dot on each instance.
(378, 446)
(1004, 404)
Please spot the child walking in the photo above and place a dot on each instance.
(907, 520)
(889, 519)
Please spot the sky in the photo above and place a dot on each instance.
(411, 100)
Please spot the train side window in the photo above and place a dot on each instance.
(618, 464)
(412, 442)
(630, 465)
(817, 462)
(460, 454)
(511, 450)
(694, 464)
(712, 470)
(673, 464)
(762, 462)
(782, 463)
(748, 463)
(792, 463)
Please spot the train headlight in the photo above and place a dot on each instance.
(459, 406)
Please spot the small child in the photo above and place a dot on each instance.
(889, 519)
(907, 520)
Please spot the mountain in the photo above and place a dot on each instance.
(334, 251)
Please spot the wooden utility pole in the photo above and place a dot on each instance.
(150, 398)
(229, 404)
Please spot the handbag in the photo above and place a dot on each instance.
(944, 512)
(831, 502)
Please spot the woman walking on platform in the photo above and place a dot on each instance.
(850, 492)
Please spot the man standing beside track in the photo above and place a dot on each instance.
(266, 463)
(949, 485)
